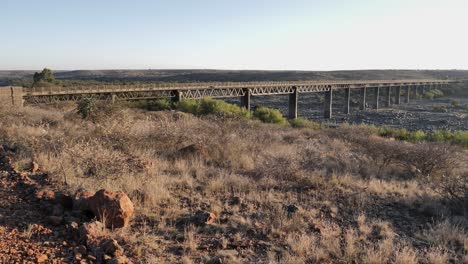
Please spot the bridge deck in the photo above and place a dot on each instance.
(301, 85)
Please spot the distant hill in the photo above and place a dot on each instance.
(7, 77)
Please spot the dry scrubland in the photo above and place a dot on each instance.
(280, 194)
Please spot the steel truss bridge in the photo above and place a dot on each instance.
(243, 90)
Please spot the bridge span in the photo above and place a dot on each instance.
(395, 89)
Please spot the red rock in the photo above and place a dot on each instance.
(42, 258)
(115, 208)
(45, 194)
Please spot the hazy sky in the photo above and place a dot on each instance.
(234, 34)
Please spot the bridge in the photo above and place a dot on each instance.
(390, 89)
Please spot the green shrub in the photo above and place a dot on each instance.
(189, 106)
(434, 93)
(303, 123)
(160, 105)
(455, 103)
(269, 115)
(438, 136)
(208, 106)
(385, 132)
(461, 138)
(86, 106)
(402, 134)
(417, 136)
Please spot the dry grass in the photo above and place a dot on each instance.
(281, 195)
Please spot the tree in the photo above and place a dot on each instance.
(45, 76)
(86, 106)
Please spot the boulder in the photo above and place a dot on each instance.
(113, 208)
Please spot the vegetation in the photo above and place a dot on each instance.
(208, 106)
(269, 115)
(456, 137)
(304, 123)
(280, 195)
(434, 93)
(86, 106)
(44, 78)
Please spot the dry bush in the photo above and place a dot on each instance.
(454, 187)
(453, 236)
(430, 160)
(266, 167)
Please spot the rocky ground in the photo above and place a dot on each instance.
(426, 115)
(419, 114)
(41, 225)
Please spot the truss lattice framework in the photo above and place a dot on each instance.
(313, 88)
(272, 90)
(134, 95)
(51, 99)
(213, 93)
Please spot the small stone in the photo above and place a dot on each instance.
(45, 194)
(34, 167)
(42, 258)
(74, 225)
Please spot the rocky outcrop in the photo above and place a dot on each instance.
(113, 208)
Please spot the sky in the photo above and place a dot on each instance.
(235, 34)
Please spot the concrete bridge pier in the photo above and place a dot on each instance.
(415, 92)
(397, 95)
(347, 101)
(388, 98)
(363, 101)
(408, 92)
(293, 98)
(113, 98)
(245, 99)
(377, 97)
(328, 104)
